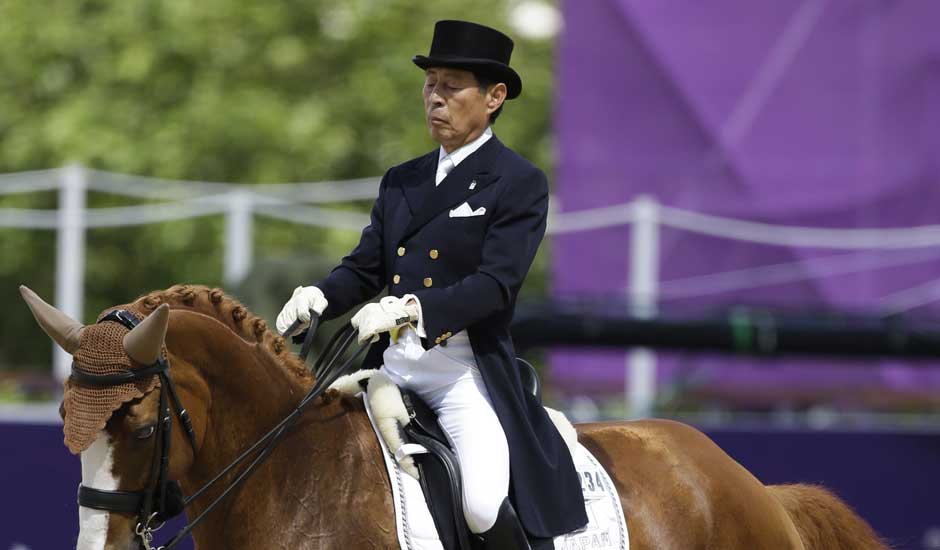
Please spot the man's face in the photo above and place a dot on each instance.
(457, 111)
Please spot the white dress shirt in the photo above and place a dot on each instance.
(448, 161)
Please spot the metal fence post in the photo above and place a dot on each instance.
(70, 255)
(238, 236)
(644, 278)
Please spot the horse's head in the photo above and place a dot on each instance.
(112, 409)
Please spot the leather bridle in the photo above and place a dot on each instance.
(163, 499)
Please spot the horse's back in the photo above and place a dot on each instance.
(680, 490)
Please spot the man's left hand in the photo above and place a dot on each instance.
(389, 313)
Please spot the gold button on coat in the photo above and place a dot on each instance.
(401, 250)
(396, 279)
(433, 253)
(428, 282)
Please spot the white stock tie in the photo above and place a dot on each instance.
(443, 168)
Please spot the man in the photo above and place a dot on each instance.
(452, 235)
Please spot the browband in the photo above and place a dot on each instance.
(87, 379)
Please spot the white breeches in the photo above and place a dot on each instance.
(449, 381)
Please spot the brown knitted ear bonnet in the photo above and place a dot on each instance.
(87, 409)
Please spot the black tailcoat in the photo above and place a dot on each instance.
(466, 272)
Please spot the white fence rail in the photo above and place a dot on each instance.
(302, 203)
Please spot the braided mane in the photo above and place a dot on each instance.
(230, 312)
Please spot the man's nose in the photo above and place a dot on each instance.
(435, 99)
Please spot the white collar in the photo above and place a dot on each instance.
(466, 150)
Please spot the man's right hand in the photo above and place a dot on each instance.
(298, 307)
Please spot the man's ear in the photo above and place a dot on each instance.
(495, 96)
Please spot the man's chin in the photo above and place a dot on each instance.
(439, 135)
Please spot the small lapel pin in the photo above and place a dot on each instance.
(473, 184)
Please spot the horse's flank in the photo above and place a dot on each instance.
(669, 474)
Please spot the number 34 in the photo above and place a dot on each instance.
(591, 481)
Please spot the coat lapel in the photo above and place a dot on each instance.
(476, 172)
(420, 181)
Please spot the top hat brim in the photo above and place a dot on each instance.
(494, 69)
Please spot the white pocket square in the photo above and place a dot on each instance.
(464, 211)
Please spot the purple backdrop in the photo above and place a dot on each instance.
(39, 477)
(40, 480)
(821, 114)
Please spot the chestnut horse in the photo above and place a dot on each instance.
(325, 485)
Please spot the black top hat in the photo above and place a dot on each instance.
(477, 48)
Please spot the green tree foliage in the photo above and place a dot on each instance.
(218, 90)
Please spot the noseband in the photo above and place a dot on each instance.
(162, 498)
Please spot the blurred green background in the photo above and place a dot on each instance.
(245, 92)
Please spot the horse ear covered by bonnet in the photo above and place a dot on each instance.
(99, 349)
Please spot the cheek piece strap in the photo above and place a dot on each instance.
(162, 498)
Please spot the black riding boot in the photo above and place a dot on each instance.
(506, 533)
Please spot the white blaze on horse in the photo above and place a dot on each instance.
(97, 472)
(325, 485)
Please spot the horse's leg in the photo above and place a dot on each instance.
(680, 491)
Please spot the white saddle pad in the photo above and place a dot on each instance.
(606, 529)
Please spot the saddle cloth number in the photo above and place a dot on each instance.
(592, 484)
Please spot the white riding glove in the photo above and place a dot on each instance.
(389, 313)
(298, 307)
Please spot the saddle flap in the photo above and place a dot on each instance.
(439, 472)
(441, 483)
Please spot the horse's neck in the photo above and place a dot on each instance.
(315, 481)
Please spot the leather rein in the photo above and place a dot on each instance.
(163, 499)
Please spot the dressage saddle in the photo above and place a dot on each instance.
(439, 469)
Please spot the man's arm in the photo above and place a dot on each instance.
(510, 244)
(361, 275)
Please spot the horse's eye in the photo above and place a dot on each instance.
(145, 432)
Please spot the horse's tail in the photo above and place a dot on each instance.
(824, 521)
